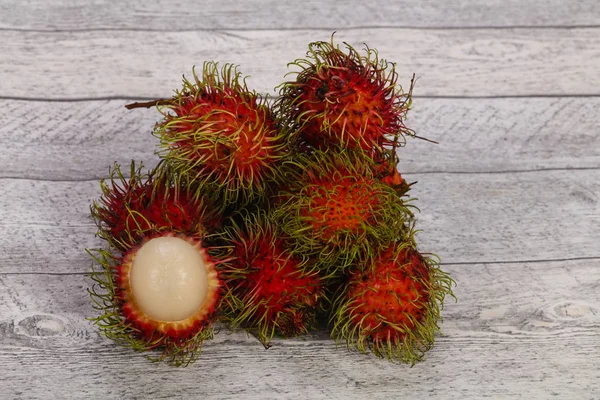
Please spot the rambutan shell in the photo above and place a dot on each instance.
(392, 305)
(345, 99)
(218, 132)
(273, 291)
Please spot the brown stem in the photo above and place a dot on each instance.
(148, 104)
(425, 139)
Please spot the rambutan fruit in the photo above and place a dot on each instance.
(161, 294)
(221, 134)
(270, 290)
(345, 99)
(392, 304)
(336, 210)
(386, 170)
(143, 204)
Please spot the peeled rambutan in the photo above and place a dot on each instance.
(270, 290)
(345, 99)
(161, 294)
(221, 134)
(143, 204)
(336, 210)
(392, 304)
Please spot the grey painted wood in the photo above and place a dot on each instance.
(271, 14)
(513, 179)
(80, 140)
(535, 215)
(485, 62)
(541, 344)
(73, 140)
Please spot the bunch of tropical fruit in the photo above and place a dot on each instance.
(275, 216)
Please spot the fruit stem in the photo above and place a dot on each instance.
(425, 139)
(148, 104)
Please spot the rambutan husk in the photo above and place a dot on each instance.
(132, 208)
(345, 99)
(121, 319)
(392, 304)
(386, 170)
(269, 290)
(337, 211)
(221, 134)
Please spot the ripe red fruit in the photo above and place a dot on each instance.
(271, 290)
(161, 294)
(135, 207)
(219, 133)
(337, 210)
(392, 305)
(386, 170)
(345, 99)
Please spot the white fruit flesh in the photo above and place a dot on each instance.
(168, 278)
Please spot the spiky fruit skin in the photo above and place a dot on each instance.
(122, 320)
(221, 134)
(338, 211)
(386, 170)
(392, 305)
(345, 99)
(146, 204)
(272, 291)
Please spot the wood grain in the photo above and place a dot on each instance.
(510, 198)
(483, 62)
(465, 218)
(73, 140)
(271, 14)
(80, 140)
(541, 343)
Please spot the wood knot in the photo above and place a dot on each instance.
(571, 310)
(41, 325)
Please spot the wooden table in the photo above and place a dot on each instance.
(510, 198)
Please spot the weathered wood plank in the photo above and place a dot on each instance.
(271, 14)
(73, 140)
(482, 62)
(80, 140)
(465, 218)
(518, 330)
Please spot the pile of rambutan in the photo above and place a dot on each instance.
(274, 216)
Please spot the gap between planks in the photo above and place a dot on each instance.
(522, 171)
(443, 97)
(454, 263)
(308, 28)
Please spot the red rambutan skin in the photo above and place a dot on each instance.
(276, 291)
(344, 99)
(278, 282)
(386, 170)
(230, 114)
(138, 208)
(219, 132)
(340, 203)
(131, 209)
(337, 210)
(393, 179)
(389, 298)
